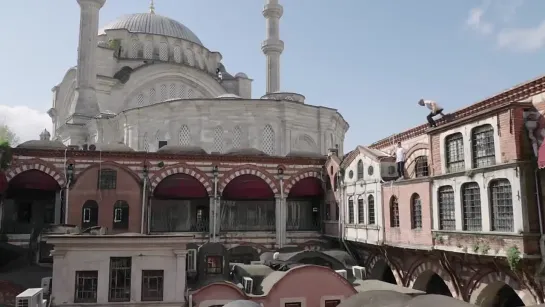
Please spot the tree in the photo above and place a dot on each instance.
(8, 136)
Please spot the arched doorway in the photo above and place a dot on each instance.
(32, 201)
(248, 204)
(382, 271)
(499, 294)
(304, 205)
(431, 283)
(180, 204)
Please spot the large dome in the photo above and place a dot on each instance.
(150, 23)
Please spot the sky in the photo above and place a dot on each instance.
(371, 60)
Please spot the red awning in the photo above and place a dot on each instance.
(3, 182)
(541, 156)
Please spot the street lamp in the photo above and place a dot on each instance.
(70, 173)
(280, 171)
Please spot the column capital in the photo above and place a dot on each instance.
(180, 252)
(99, 3)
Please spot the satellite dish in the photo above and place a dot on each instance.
(92, 147)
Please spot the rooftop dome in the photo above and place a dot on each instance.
(42, 144)
(151, 23)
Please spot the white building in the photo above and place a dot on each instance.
(147, 81)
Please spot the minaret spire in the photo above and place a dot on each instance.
(272, 46)
(152, 7)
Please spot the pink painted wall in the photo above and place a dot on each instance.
(404, 234)
(298, 282)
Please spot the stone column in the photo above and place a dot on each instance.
(86, 103)
(280, 213)
(180, 274)
(58, 207)
(212, 218)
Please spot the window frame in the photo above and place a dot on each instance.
(446, 208)
(371, 219)
(361, 210)
(214, 270)
(360, 170)
(394, 212)
(125, 268)
(421, 167)
(472, 210)
(78, 286)
(107, 179)
(351, 213)
(192, 259)
(90, 214)
(478, 135)
(454, 161)
(147, 276)
(509, 224)
(416, 211)
(121, 216)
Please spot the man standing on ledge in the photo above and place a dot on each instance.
(435, 108)
(400, 161)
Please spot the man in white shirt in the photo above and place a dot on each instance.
(400, 161)
(435, 108)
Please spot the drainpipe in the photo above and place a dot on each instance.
(69, 176)
(144, 189)
(282, 220)
(215, 202)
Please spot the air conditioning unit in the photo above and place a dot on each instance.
(248, 284)
(46, 285)
(32, 297)
(358, 272)
(342, 273)
(256, 262)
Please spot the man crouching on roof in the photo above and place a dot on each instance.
(435, 108)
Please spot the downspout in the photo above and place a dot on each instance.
(282, 219)
(67, 188)
(144, 187)
(215, 205)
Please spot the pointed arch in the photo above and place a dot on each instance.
(487, 284)
(376, 262)
(249, 169)
(268, 140)
(181, 168)
(292, 181)
(39, 165)
(420, 275)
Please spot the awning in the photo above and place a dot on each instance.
(541, 156)
(3, 182)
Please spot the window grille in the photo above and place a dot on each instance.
(120, 279)
(148, 50)
(86, 287)
(421, 167)
(135, 49)
(501, 201)
(416, 206)
(163, 92)
(107, 179)
(140, 99)
(190, 58)
(214, 264)
(447, 217)
(455, 153)
(177, 54)
(471, 206)
(268, 140)
(360, 169)
(371, 209)
(152, 97)
(484, 151)
(394, 212)
(191, 93)
(218, 140)
(172, 92)
(350, 211)
(237, 137)
(183, 91)
(152, 285)
(163, 52)
(361, 212)
(185, 136)
(145, 142)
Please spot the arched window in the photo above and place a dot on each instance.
(145, 142)
(268, 140)
(135, 49)
(482, 141)
(351, 210)
(218, 140)
(163, 52)
(360, 169)
(447, 217)
(421, 166)
(416, 212)
(121, 215)
(140, 100)
(163, 92)
(184, 137)
(148, 50)
(394, 212)
(177, 54)
(501, 205)
(237, 137)
(371, 209)
(471, 206)
(89, 214)
(172, 91)
(454, 144)
(361, 212)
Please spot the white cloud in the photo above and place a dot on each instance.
(507, 9)
(476, 22)
(27, 123)
(522, 39)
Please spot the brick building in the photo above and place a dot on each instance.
(466, 221)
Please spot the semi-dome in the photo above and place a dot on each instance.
(151, 23)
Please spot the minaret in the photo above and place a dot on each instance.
(152, 7)
(272, 47)
(86, 104)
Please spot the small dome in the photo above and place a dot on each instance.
(182, 150)
(228, 96)
(42, 144)
(305, 154)
(241, 75)
(151, 23)
(242, 303)
(246, 152)
(114, 147)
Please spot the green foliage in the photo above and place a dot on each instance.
(6, 155)
(513, 257)
(161, 164)
(114, 43)
(8, 136)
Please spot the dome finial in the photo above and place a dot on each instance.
(152, 7)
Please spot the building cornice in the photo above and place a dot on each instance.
(70, 242)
